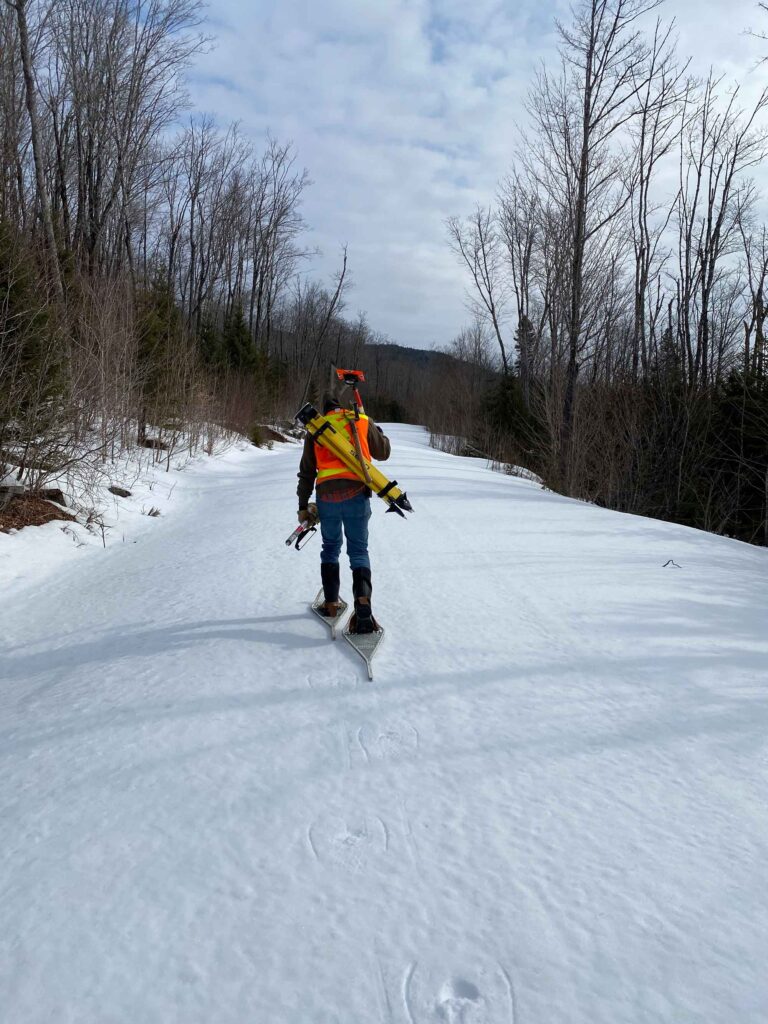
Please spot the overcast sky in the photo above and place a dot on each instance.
(404, 112)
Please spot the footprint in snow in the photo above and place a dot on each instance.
(389, 742)
(348, 843)
(460, 1002)
(482, 996)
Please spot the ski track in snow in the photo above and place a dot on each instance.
(548, 808)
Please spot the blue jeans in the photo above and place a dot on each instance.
(351, 516)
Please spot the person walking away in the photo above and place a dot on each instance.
(344, 508)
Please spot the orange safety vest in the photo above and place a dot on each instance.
(329, 467)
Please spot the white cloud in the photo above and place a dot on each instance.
(404, 113)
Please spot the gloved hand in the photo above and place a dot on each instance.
(304, 515)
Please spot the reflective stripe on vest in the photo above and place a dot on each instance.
(329, 467)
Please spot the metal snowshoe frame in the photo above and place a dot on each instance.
(366, 644)
(332, 623)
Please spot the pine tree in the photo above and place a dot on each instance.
(239, 350)
(32, 361)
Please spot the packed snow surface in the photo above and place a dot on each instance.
(548, 808)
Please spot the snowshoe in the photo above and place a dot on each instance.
(366, 644)
(362, 621)
(320, 607)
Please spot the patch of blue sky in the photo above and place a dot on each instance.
(488, 77)
(216, 21)
(438, 32)
(338, 37)
(540, 17)
(217, 81)
(447, 174)
(441, 149)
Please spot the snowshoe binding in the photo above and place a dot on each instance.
(328, 605)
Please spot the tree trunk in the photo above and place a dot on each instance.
(20, 6)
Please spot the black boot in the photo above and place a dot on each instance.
(329, 574)
(362, 621)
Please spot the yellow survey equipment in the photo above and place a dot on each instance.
(324, 433)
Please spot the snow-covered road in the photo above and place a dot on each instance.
(549, 807)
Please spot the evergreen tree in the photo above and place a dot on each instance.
(211, 345)
(238, 347)
(32, 362)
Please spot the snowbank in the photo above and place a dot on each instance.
(106, 519)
